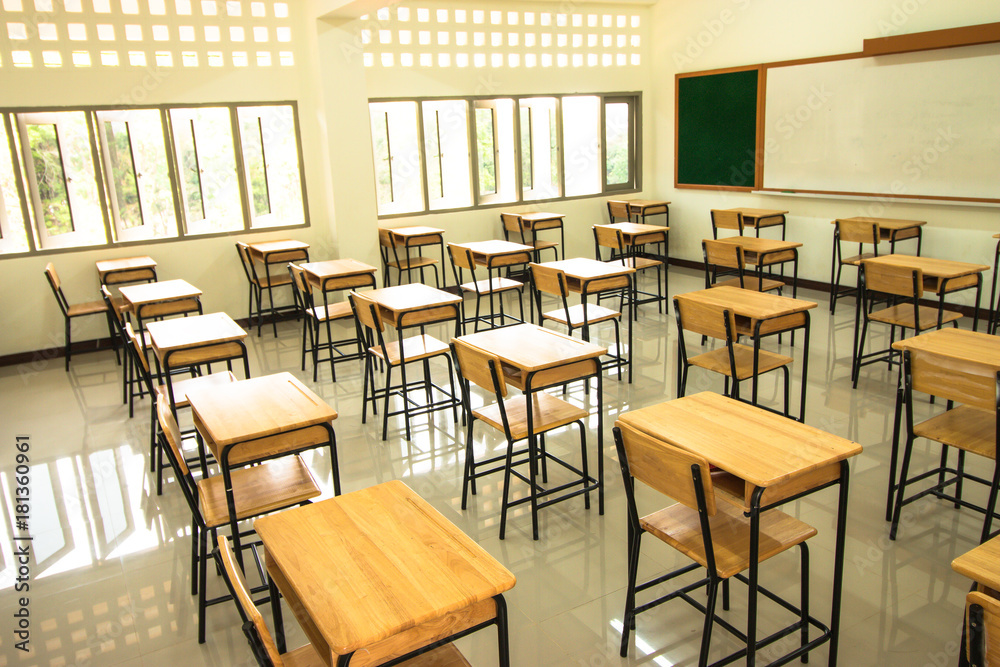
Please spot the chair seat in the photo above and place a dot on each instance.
(718, 361)
(964, 427)
(577, 318)
(902, 316)
(492, 286)
(414, 348)
(304, 656)
(333, 311)
(547, 412)
(542, 245)
(86, 308)
(270, 486)
(752, 283)
(182, 387)
(412, 263)
(680, 527)
(857, 259)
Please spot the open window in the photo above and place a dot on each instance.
(271, 159)
(539, 131)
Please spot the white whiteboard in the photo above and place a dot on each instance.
(916, 124)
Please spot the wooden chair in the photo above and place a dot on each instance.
(727, 258)
(606, 236)
(715, 535)
(515, 230)
(493, 286)
(398, 354)
(903, 287)
(405, 263)
(263, 645)
(722, 219)
(258, 285)
(982, 618)
(850, 231)
(735, 362)
(973, 427)
(142, 376)
(70, 312)
(318, 317)
(119, 318)
(552, 281)
(271, 486)
(618, 211)
(510, 416)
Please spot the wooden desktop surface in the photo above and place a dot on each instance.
(180, 333)
(981, 564)
(757, 217)
(106, 266)
(937, 271)
(633, 232)
(484, 251)
(961, 344)
(164, 290)
(762, 448)
(531, 348)
(752, 304)
(582, 269)
(256, 408)
(365, 566)
(265, 248)
(539, 220)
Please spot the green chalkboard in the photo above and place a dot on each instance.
(717, 129)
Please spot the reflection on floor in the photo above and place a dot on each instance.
(110, 571)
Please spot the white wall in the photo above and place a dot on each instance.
(710, 34)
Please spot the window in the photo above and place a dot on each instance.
(539, 148)
(270, 148)
(439, 154)
(137, 174)
(89, 177)
(59, 171)
(619, 144)
(396, 149)
(446, 145)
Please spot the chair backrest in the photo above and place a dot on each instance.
(385, 238)
(303, 290)
(664, 467)
(56, 285)
(902, 281)
(479, 367)
(461, 258)
(858, 231)
(618, 211)
(609, 237)
(982, 617)
(366, 312)
(511, 222)
(722, 219)
(705, 319)
(722, 254)
(138, 354)
(246, 262)
(549, 280)
(241, 594)
(171, 434)
(112, 305)
(952, 379)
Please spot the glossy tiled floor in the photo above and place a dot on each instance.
(110, 575)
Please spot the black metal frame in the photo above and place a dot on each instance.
(258, 287)
(831, 633)
(627, 254)
(491, 264)
(897, 490)
(404, 387)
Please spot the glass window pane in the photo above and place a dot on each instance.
(581, 134)
(542, 144)
(486, 145)
(205, 148)
(617, 144)
(396, 148)
(123, 179)
(13, 233)
(272, 165)
(446, 147)
(152, 173)
(60, 175)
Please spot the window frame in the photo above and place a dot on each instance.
(521, 194)
(37, 244)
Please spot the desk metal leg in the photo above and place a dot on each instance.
(838, 563)
(279, 625)
(752, 578)
(502, 635)
(805, 368)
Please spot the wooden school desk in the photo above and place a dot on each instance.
(533, 358)
(760, 314)
(771, 460)
(147, 295)
(379, 573)
(758, 218)
(126, 270)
